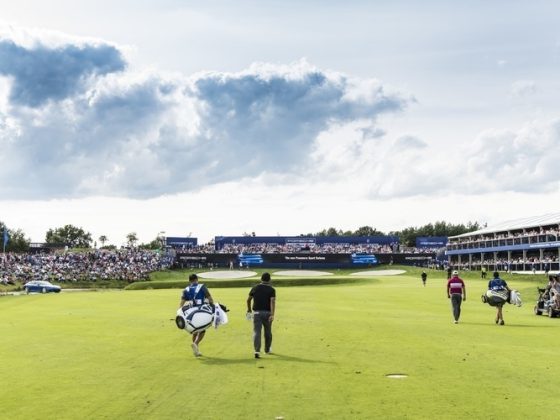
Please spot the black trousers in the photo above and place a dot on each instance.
(456, 300)
(261, 320)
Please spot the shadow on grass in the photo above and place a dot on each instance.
(508, 325)
(275, 357)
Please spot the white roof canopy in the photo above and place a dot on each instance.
(517, 224)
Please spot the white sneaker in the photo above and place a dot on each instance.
(195, 349)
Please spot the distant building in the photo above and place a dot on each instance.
(529, 244)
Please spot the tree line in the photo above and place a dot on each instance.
(71, 236)
(77, 237)
(408, 235)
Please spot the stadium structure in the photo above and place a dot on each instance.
(528, 244)
(299, 252)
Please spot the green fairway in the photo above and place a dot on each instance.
(118, 354)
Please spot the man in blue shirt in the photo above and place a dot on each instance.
(499, 285)
(197, 294)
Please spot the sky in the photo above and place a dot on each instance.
(214, 118)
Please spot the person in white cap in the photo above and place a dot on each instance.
(457, 292)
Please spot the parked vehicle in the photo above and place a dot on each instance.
(545, 305)
(41, 286)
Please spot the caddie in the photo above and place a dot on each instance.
(497, 287)
(196, 294)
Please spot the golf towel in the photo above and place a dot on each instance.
(220, 316)
(515, 298)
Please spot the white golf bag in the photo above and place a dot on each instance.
(194, 319)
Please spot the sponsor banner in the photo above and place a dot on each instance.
(431, 241)
(303, 260)
(281, 259)
(546, 245)
(197, 257)
(406, 259)
(300, 241)
(178, 242)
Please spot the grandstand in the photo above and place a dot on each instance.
(328, 244)
(528, 244)
(72, 267)
(302, 252)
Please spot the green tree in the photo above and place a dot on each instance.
(157, 243)
(131, 239)
(153, 245)
(362, 231)
(408, 235)
(330, 232)
(103, 239)
(367, 231)
(17, 242)
(74, 237)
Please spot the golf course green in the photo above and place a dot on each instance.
(117, 354)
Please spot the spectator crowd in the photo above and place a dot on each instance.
(545, 234)
(67, 267)
(133, 265)
(295, 248)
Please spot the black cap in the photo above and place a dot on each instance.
(193, 277)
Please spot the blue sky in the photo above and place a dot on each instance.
(218, 118)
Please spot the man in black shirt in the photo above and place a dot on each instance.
(263, 298)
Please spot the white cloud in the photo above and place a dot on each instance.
(497, 161)
(42, 73)
(523, 88)
(87, 127)
(518, 161)
(257, 205)
(406, 143)
(296, 143)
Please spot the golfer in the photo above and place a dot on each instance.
(424, 278)
(196, 294)
(499, 285)
(262, 304)
(457, 292)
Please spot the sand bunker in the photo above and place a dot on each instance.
(230, 274)
(379, 273)
(301, 273)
